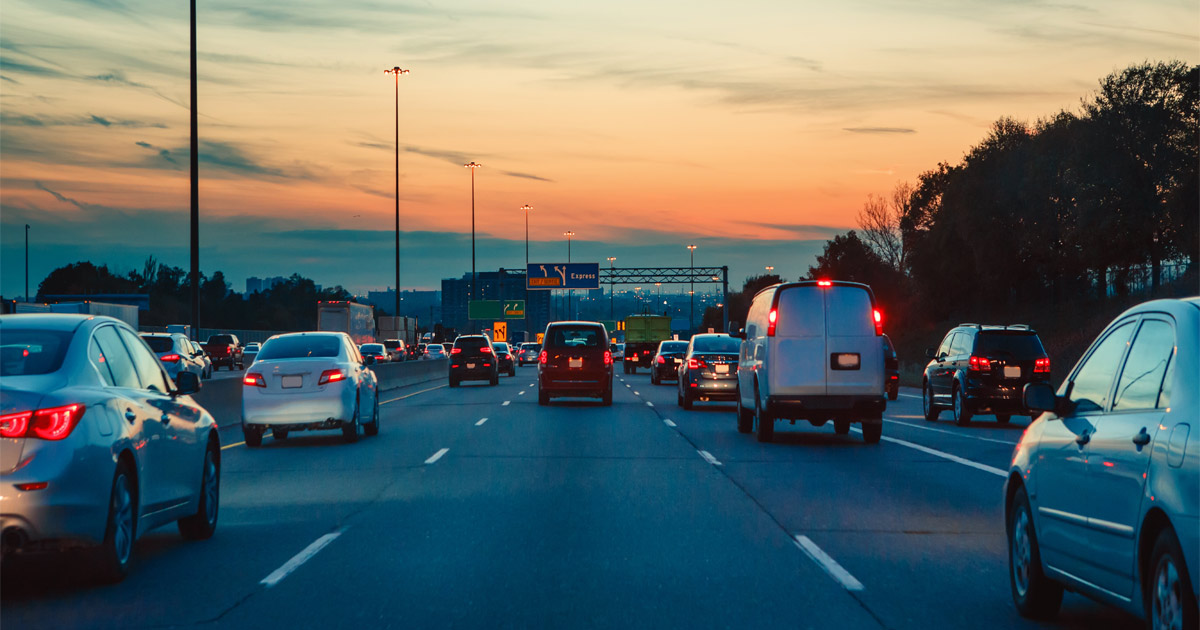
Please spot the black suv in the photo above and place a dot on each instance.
(983, 369)
(667, 360)
(472, 359)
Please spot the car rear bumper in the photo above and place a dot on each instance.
(478, 373)
(715, 389)
(864, 407)
(299, 409)
(1003, 398)
(578, 386)
(70, 511)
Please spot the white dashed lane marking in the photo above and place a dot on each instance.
(481, 421)
(831, 566)
(304, 556)
(436, 456)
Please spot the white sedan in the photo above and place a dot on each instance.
(309, 382)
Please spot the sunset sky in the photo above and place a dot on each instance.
(755, 129)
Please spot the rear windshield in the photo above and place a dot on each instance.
(300, 347)
(32, 351)
(225, 339)
(673, 346)
(1021, 345)
(376, 348)
(576, 337)
(159, 344)
(435, 348)
(470, 343)
(501, 347)
(391, 344)
(717, 344)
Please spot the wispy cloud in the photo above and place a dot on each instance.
(28, 120)
(526, 176)
(63, 198)
(879, 130)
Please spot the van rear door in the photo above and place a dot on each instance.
(795, 353)
(853, 357)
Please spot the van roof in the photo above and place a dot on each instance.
(821, 282)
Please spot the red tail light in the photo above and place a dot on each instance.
(608, 357)
(979, 364)
(543, 357)
(824, 283)
(1041, 366)
(771, 320)
(331, 376)
(696, 364)
(254, 379)
(486, 350)
(661, 359)
(878, 321)
(55, 423)
(170, 358)
(452, 351)
(14, 425)
(37, 485)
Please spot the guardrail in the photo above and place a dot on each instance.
(223, 397)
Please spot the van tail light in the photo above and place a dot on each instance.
(254, 379)
(824, 283)
(979, 364)
(170, 358)
(452, 351)
(543, 357)
(661, 359)
(608, 357)
(696, 364)
(14, 425)
(55, 423)
(878, 317)
(771, 320)
(1042, 366)
(331, 376)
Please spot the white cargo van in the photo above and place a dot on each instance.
(811, 351)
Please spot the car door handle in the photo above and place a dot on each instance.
(130, 415)
(1083, 438)
(1142, 438)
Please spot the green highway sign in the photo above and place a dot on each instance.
(514, 309)
(484, 309)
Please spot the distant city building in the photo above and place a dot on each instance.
(426, 306)
(456, 294)
(259, 285)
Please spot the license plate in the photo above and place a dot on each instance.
(292, 382)
(678, 360)
(633, 358)
(721, 368)
(470, 366)
(1012, 371)
(575, 363)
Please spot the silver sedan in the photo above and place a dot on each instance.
(97, 444)
(306, 382)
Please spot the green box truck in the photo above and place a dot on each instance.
(643, 333)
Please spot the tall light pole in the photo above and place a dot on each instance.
(26, 262)
(692, 289)
(194, 273)
(527, 208)
(472, 166)
(397, 71)
(611, 283)
(571, 295)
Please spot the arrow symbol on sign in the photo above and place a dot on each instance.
(544, 274)
(562, 271)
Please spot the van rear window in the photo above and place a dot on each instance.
(576, 337)
(849, 312)
(800, 313)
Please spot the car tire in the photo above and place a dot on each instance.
(372, 429)
(1166, 589)
(1035, 595)
(116, 551)
(252, 436)
(202, 524)
(279, 434)
(1003, 418)
(842, 427)
(543, 398)
(872, 431)
(350, 429)
(764, 424)
(745, 417)
(962, 410)
(893, 393)
(931, 408)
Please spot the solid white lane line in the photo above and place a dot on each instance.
(438, 455)
(412, 394)
(300, 558)
(708, 457)
(932, 451)
(910, 396)
(232, 445)
(831, 566)
(481, 421)
(668, 422)
(961, 435)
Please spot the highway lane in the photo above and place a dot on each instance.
(574, 514)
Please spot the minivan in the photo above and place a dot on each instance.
(811, 350)
(575, 361)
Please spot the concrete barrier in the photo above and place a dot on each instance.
(223, 397)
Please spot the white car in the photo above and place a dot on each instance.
(309, 382)
(250, 352)
(1103, 495)
(811, 351)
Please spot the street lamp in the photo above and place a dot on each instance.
(571, 295)
(527, 208)
(769, 268)
(397, 71)
(611, 282)
(472, 166)
(692, 289)
(26, 262)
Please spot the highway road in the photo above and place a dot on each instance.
(474, 507)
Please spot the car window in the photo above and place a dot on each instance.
(801, 313)
(961, 344)
(1094, 379)
(116, 357)
(1018, 345)
(850, 312)
(149, 370)
(32, 351)
(351, 349)
(1142, 376)
(300, 347)
(100, 362)
(159, 344)
(471, 343)
(575, 337)
(674, 346)
(716, 344)
(501, 346)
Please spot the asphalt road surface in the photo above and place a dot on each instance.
(474, 507)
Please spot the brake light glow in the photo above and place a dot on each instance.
(543, 357)
(14, 425)
(771, 321)
(170, 358)
(979, 364)
(662, 359)
(453, 351)
(696, 364)
(878, 321)
(331, 376)
(254, 379)
(486, 350)
(1042, 366)
(37, 485)
(608, 357)
(55, 423)
(824, 283)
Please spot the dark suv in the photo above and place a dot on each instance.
(667, 360)
(472, 359)
(575, 361)
(983, 369)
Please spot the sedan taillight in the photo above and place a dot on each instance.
(1042, 366)
(170, 358)
(696, 364)
(14, 425)
(254, 379)
(331, 376)
(661, 359)
(54, 423)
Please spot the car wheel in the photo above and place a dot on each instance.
(115, 553)
(745, 418)
(893, 393)
(202, 524)
(350, 429)
(871, 431)
(373, 427)
(1003, 418)
(841, 427)
(1034, 594)
(1169, 600)
(763, 422)
(252, 436)
(543, 398)
(931, 409)
(962, 411)
(279, 434)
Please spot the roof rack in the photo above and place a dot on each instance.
(1019, 327)
(970, 324)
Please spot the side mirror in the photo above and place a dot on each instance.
(930, 353)
(186, 384)
(1039, 397)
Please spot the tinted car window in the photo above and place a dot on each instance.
(226, 339)
(117, 358)
(717, 344)
(800, 313)
(148, 368)
(1019, 345)
(159, 344)
(850, 312)
(471, 343)
(100, 362)
(32, 351)
(1095, 376)
(377, 348)
(961, 344)
(944, 349)
(1144, 369)
(576, 337)
(300, 347)
(673, 346)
